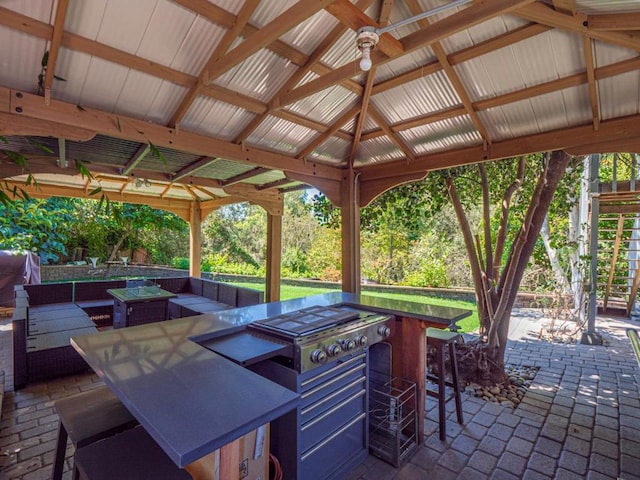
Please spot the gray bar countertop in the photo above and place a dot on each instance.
(193, 401)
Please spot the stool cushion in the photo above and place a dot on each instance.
(440, 335)
(93, 415)
(129, 455)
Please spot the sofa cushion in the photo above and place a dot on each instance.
(210, 290)
(46, 293)
(174, 284)
(228, 294)
(86, 291)
(195, 286)
(248, 297)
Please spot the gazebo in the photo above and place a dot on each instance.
(188, 105)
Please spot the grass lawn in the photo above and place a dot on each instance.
(468, 324)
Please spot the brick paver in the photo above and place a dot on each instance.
(579, 419)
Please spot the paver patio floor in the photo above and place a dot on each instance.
(579, 419)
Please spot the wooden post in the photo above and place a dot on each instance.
(350, 210)
(195, 239)
(274, 257)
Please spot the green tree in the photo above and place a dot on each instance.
(498, 261)
(40, 226)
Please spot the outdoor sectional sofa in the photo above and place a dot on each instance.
(48, 315)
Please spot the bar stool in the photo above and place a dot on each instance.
(440, 339)
(86, 418)
(131, 455)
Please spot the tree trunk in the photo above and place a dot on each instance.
(552, 254)
(487, 358)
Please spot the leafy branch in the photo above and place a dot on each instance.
(43, 73)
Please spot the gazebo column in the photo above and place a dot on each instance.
(195, 239)
(274, 257)
(350, 211)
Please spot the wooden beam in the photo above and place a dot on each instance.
(452, 75)
(473, 15)
(195, 240)
(271, 200)
(254, 172)
(54, 48)
(178, 206)
(284, 22)
(354, 18)
(612, 22)
(385, 12)
(274, 184)
(327, 42)
(591, 80)
(362, 116)
(16, 125)
(137, 157)
(393, 136)
(231, 34)
(274, 258)
(192, 167)
(119, 126)
(371, 189)
(611, 132)
(320, 139)
(541, 13)
(565, 6)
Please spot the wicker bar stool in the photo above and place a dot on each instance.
(130, 455)
(440, 339)
(86, 418)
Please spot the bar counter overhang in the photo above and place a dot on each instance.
(193, 401)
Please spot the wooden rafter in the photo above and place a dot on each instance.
(541, 13)
(612, 22)
(565, 6)
(529, 92)
(470, 16)
(362, 116)
(385, 12)
(192, 167)
(54, 48)
(136, 158)
(324, 46)
(578, 139)
(254, 172)
(591, 80)
(284, 22)
(453, 77)
(274, 184)
(221, 49)
(31, 106)
(337, 125)
(393, 136)
(354, 18)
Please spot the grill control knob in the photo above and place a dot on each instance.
(318, 356)
(348, 345)
(333, 350)
(384, 331)
(362, 340)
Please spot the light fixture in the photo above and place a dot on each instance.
(366, 41)
(368, 37)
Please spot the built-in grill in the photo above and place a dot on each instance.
(322, 353)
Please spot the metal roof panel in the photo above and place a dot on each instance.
(214, 118)
(439, 136)
(414, 99)
(281, 135)
(324, 106)
(20, 57)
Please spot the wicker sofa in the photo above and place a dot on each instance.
(48, 315)
(196, 296)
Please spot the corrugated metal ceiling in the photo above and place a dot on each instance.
(145, 60)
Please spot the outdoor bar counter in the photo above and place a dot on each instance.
(193, 401)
